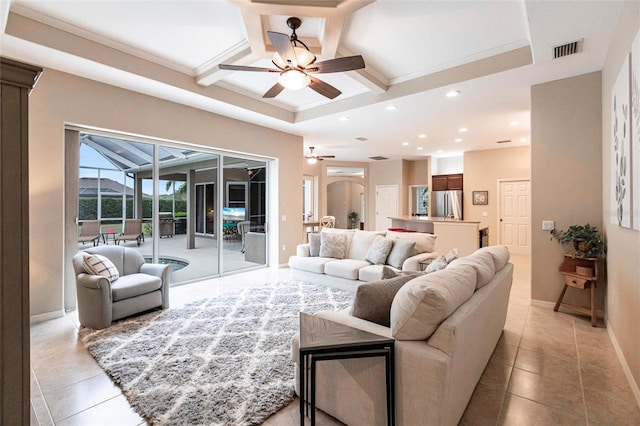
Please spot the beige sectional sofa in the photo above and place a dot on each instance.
(349, 265)
(446, 325)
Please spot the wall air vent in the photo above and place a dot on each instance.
(378, 158)
(504, 141)
(567, 49)
(362, 139)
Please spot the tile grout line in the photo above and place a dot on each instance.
(584, 399)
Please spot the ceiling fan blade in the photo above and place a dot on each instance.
(326, 156)
(274, 91)
(245, 68)
(348, 63)
(284, 47)
(323, 88)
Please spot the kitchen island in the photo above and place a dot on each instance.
(451, 233)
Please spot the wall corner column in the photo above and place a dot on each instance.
(16, 81)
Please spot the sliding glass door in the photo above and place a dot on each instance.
(201, 218)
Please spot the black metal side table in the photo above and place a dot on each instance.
(323, 340)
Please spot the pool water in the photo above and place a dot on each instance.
(177, 264)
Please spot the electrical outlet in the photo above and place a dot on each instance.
(284, 217)
(485, 214)
(548, 225)
(284, 247)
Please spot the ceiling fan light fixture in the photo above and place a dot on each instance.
(312, 160)
(294, 79)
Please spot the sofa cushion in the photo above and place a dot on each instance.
(379, 250)
(376, 272)
(425, 243)
(482, 263)
(309, 264)
(134, 285)
(314, 244)
(373, 300)
(361, 242)
(424, 302)
(333, 245)
(345, 268)
(96, 264)
(401, 251)
(500, 255)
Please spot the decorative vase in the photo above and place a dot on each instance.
(581, 245)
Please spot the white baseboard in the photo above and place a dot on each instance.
(47, 316)
(551, 305)
(625, 366)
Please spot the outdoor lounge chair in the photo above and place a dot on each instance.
(132, 231)
(90, 231)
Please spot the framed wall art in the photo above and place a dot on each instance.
(480, 198)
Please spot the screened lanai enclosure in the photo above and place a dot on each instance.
(204, 212)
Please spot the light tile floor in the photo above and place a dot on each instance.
(548, 369)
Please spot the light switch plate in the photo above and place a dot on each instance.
(548, 225)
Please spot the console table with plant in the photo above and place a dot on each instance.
(580, 267)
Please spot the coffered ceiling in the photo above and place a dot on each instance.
(491, 52)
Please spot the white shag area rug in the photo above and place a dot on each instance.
(219, 361)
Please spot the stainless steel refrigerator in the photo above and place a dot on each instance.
(447, 204)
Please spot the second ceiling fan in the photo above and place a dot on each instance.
(295, 63)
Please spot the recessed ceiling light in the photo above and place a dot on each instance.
(344, 118)
(453, 93)
(462, 129)
(420, 148)
(422, 136)
(391, 108)
(439, 151)
(457, 140)
(362, 139)
(523, 139)
(513, 123)
(405, 143)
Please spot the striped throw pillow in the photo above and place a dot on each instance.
(96, 264)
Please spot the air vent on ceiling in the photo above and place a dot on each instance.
(504, 141)
(567, 49)
(362, 139)
(378, 158)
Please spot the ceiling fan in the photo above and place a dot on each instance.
(312, 158)
(295, 63)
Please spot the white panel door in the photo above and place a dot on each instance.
(515, 220)
(386, 205)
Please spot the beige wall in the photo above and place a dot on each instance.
(623, 265)
(60, 99)
(566, 170)
(482, 171)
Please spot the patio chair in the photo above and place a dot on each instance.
(327, 221)
(243, 227)
(104, 298)
(132, 231)
(90, 231)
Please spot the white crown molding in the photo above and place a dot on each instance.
(20, 9)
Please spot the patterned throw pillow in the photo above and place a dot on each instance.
(333, 245)
(379, 250)
(96, 264)
(438, 264)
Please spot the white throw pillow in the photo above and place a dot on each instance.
(401, 251)
(424, 302)
(314, 245)
(360, 244)
(379, 250)
(333, 245)
(96, 264)
(425, 243)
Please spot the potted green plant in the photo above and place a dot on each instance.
(353, 217)
(586, 239)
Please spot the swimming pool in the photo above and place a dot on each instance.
(176, 263)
